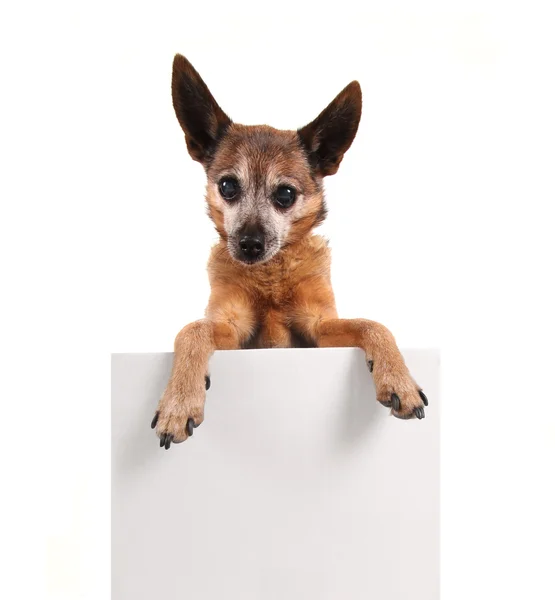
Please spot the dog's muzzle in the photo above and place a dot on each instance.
(251, 245)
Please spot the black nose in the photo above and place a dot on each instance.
(252, 246)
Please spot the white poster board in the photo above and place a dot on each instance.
(298, 485)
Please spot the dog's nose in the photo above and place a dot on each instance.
(252, 246)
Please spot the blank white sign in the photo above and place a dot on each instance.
(298, 485)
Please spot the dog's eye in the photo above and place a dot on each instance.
(285, 196)
(229, 188)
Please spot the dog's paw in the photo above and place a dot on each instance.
(179, 414)
(398, 391)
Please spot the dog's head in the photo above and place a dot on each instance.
(264, 187)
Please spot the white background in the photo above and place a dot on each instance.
(440, 224)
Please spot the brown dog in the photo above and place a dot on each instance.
(269, 277)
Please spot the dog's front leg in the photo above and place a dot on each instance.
(395, 387)
(316, 318)
(226, 326)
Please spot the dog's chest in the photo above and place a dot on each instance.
(274, 306)
(275, 286)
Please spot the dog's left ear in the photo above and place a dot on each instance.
(331, 134)
(202, 120)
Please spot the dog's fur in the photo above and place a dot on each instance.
(282, 297)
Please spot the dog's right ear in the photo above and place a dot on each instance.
(199, 115)
(331, 134)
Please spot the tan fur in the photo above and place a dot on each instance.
(288, 299)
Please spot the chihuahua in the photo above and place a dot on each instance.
(269, 275)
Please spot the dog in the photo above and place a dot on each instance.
(269, 275)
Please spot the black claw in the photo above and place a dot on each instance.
(207, 381)
(162, 440)
(395, 402)
(423, 397)
(419, 413)
(371, 365)
(169, 440)
(190, 427)
(155, 420)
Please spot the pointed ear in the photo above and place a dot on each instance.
(202, 120)
(331, 134)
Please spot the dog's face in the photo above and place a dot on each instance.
(264, 187)
(260, 191)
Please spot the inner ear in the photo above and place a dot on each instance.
(330, 135)
(202, 120)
